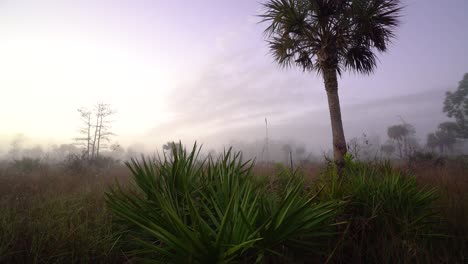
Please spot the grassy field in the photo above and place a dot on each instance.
(52, 215)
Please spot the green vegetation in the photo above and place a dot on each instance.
(456, 106)
(189, 211)
(391, 218)
(184, 209)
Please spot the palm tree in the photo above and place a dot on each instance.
(400, 133)
(328, 37)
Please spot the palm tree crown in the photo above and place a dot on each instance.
(330, 34)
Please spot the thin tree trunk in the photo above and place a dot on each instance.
(89, 136)
(96, 131)
(405, 147)
(400, 148)
(339, 141)
(99, 137)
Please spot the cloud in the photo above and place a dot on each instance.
(242, 86)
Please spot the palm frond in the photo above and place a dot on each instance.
(360, 59)
(186, 210)
(322, 34)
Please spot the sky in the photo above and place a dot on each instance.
(200, 70)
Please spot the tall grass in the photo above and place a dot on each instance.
(53, 218)
(392, 218)
(451, 182)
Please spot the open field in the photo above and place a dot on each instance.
(49, 215)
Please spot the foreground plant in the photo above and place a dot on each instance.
(392, 218)
(190, 210)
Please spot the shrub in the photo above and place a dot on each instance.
(425, 159)
(391, 216)
(75, 164)
(26, 165)
(186, 210)
(79, 164)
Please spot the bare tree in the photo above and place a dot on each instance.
(85, 131)
(102, 131)
(96, 129)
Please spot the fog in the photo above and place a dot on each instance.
(174, 72)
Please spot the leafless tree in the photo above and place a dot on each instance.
(85, 131)
(96, 129)
(102, 128)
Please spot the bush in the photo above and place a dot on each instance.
(26, 165)
(80, 164)
(184, 210)
(426, 159)
(391, 217)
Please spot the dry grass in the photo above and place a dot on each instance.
(51, 215)
(451, 180)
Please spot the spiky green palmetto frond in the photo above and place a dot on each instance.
(392, 218)
(324, 34)
(187, 210)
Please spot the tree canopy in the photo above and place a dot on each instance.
(320, 34)
(456, 106)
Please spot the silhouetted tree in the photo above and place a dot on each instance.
(444, 138)
(102, 131)
(446, 135)
(456, 106)
(329, 37)
(99, 126)
(450, 127)
(400, 134)
(170, 146)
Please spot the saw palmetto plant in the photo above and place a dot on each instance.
(190, 210)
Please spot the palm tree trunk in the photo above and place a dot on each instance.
(339, 141)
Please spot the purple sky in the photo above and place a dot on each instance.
(200, 70)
